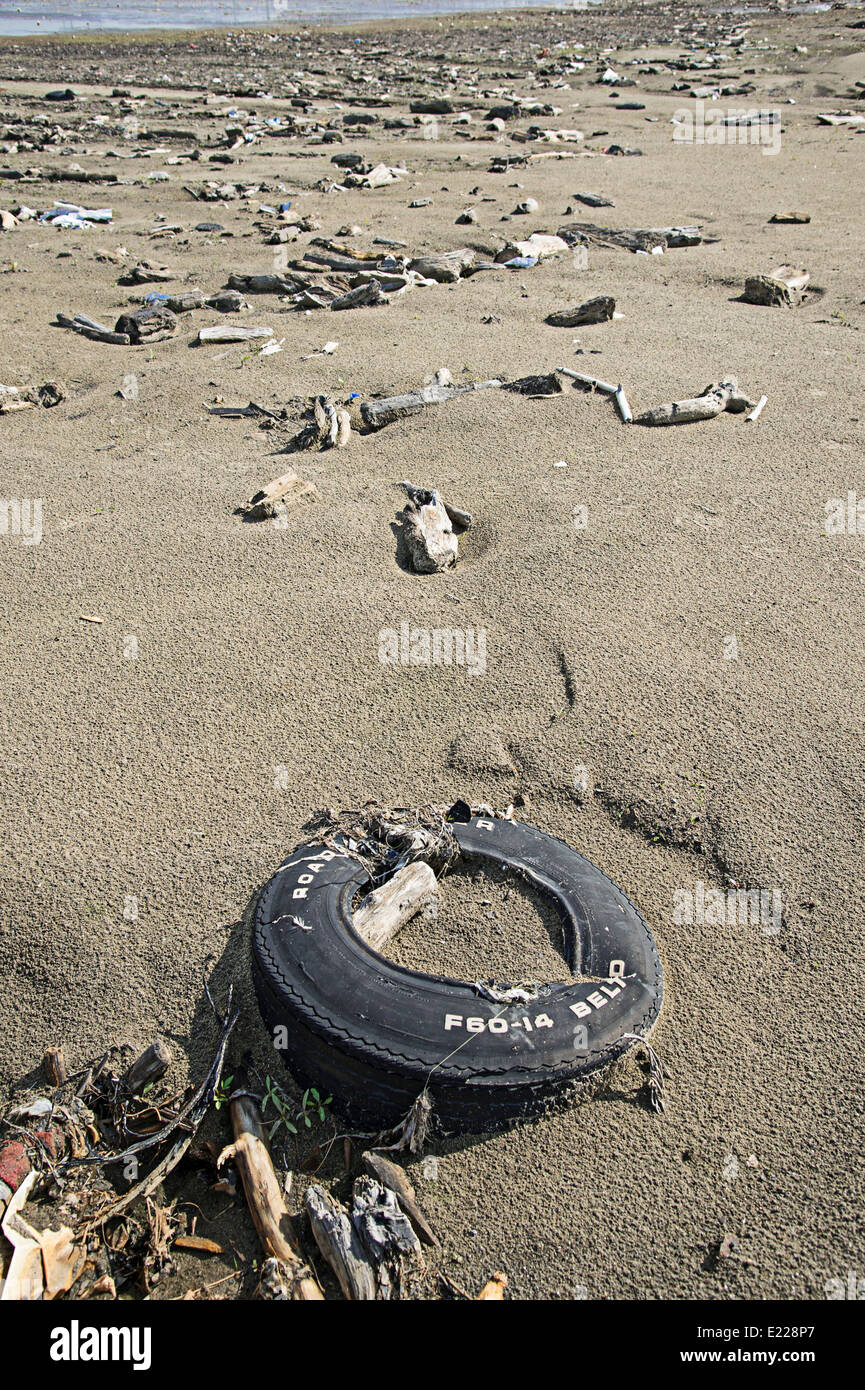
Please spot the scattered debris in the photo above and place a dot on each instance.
(151, 324)
(340, 1244)
(392, 1176)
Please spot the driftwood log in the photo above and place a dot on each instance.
(340, 1245)
(148, 325)
(54, 1066)
(447, 267)
(380, 916)
(91, 328)
(390, 408)
(232, 333)
(264, 1196)
(720, 396)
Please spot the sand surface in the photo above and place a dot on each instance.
(181, 775)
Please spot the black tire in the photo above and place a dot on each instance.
(372, 1035)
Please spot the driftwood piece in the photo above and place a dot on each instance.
(367, 296)
(90, 328)
(148, 325)
(232, 333)
(622, 404)
(54, 1066)
(388, 1237)
(278, 497)
(597, 310)
(396, 1178)
(757, 411)
(390, 408)
(429, 537)
(421, 495)
(782, 287)
(184, 300)
(264, 1195)
(149, 1067)
(145, 273)
(340, 1245)
(447, 267)
(791, 217)
(594, 200)
(720, 396)
(260, 284)
(387, 909)
(631, 238)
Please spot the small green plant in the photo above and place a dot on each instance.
(222, 1094)
(312, 1108)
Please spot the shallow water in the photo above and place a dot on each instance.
(76, 16)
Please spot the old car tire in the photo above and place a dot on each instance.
(373, 1035)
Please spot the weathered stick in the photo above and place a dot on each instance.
(264, 1195)
(622, 403)
(387, 909)
(340, 1245)
(149, 1067)
(757, 411)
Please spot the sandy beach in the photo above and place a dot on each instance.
(673, 657)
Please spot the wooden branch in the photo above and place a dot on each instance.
(149, 1067)
(387, 909)
(264, 1195)
(340, 1245)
